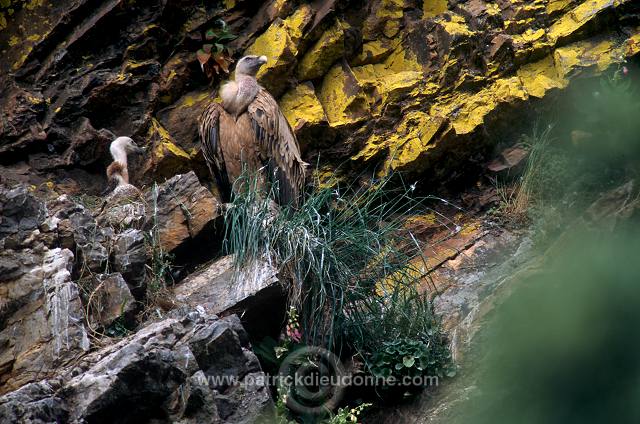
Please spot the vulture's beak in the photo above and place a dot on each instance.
(262, 59)
(138, 150)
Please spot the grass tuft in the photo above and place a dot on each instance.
(348, 257)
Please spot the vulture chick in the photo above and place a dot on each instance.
(248, 131)
(118, 171)
(124, 206)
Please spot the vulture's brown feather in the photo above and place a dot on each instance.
(278, 146)
(117, 168)
(259, 139)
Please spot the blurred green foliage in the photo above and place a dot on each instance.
(564, 348)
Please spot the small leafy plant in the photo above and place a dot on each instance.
(405, 357)
(401, 337)
(215, 56)
(348, 415)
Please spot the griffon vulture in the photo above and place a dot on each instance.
(118, 171)
(248, 130)
(124, 205)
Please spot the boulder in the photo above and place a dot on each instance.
(319, 58)
(304, 112)
(166, 156)
(121, 213)
(20, 214)
(33, 403)
(41, 318)
(179, 209)
(178, 120)
(342, 97)
(220, 288)
(130, 256)
(110, 300)
(167, 371)
(91, 240)
(280, 43)
(57, 224)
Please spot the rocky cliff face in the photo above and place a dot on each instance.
(413, 85)
(76, 342)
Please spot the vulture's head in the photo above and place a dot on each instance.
(250, 65)
(126, 145)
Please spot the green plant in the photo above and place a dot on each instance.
(215, 56)
(281, 411)
(403, 357)
(517, 198)
(272, 352)
(345, 415)
(352, 265)
(118, 328)
(401, 337)
(592, 149)
(159, 270)
(335, 248)
(348, 415)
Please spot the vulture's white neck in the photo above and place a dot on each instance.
(118, 170)
(237, 95)
(118, 151)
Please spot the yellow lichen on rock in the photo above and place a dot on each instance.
(298, 22)
(410, 138)
(529, 43)
(530, 35)
(459, 113)
(390, 86)
(280, 44)
(342, 97)
(415, 136)
(32, 4)
(165, 143)
(386, 17)
(329, 48)
(375, 51)
(34, 100)
(557, 5)
(539, 77)
(166, 157)
(431, 8)
(554, 71)
(403, 59)
(585, 54)
(301, 106)
(582, 14)
(325, 177)
(276, 44)
(467, 112)
(455, 25)
(191, 100)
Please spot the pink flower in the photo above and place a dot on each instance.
(625, 70)
(293, 333)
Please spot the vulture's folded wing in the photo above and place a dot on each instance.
(278, 146)
(211, 148)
